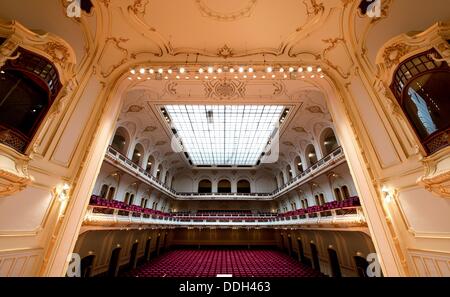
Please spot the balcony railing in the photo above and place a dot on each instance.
(102, 211)
(334, 158)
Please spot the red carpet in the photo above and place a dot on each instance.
(209, 263)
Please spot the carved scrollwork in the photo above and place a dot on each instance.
(14, 175)
(437, 173)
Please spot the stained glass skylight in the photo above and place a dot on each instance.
(224, 134)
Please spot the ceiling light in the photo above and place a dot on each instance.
(310, 69)
(254, 76)
(142, 70)
(138, 154)
(129, 78)
(299, 164)
(160, 70)
(245, 76)
(285, 76)
(178, 77)
(214, 77)
(269, 69)
(166, 77)
(311, 155)
(206, 77)
(300, 69)
(312, 76)
(250, 70)
(132, 71)
(235, 77)
(291, 69)
(322, 76)
(201, 70)
(182, 70)
(151, 71)
(196, 77)
(187, 77)
(148, 78)
(319, 69)
(263, 76)
(273, 75)
(281, 69)
(210, 69)
(231, 70)
(139, 78)
(241, 69)
(219, 70)
(169, 71)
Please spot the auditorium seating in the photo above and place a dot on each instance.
(101, 202)
(333, 205)
(209, 263)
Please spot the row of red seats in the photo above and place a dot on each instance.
(350, 202)
(99, 201)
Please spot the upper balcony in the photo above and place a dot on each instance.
(330, 161)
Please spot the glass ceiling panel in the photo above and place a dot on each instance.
(224, 134)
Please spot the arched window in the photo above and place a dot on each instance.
(298, 163)
(345, 192)
(28, 87)
(137, 154)
(243, 186)
(316, 197)
(131, 199)
(127, 197)
(111, 193)
(224, 186)
(311, 154)
(104, 191)
(337, 194)
(328, 141)
(150, 163)
(281, 178)
(205, 186)
(420, 85)
(121, 140)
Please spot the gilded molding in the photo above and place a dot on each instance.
(14, 175)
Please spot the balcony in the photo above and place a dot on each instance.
(347, 213)
(330, 161)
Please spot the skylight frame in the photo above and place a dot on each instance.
(237, 136)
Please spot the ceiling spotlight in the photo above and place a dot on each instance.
(250, 70)
(148, 78)
(322, 76)
(178, 77)
(214, 77)
(231, 70)
(269, 69)
(129, 78)
(182, 70)
(273, 75)
(160, 70)
(187, 77)
(319, 69)
(245, 76)
(303, 76)
(312, 76)
(235, 77)
(169, 71)
(139, 78)
(241, 69)
(310, 69)
(142, 70)
(196, 77)
(200, 70)
(300, 69)
(132, 71)
(151, 71)
(166, 77)
(291, 69)
(263, 77)
(206, 77)
(210, 69)
(254, 76)
(285, 76)
(281, 69)
(219, 70)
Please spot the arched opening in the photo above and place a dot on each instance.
(334, 263)
(419, 84)
(138, 153)
(345, 192)
(205, 186)
(28, 87)
(111, 193)
(158, 241)
(114, 262)
(282, 242)
(159, 172)
(121, 140)
(281, 176)
(224, 186)
(133, 256)
(243, 186)
(149, 165)
(290, 251)
(361, 266)
(289, 172)
(127, 197)
(311, 154)
(130, 202)
(337, 194)
(104, 191)
(315, 256)
(87, 265)
(316, 197)
(322, 199)
(301, 252)
(298, 163)
(328, 141)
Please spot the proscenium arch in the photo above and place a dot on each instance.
(336, 96)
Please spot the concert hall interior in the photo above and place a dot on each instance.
(249, 138)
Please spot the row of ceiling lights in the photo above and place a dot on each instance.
(208, 72)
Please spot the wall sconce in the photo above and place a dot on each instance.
(387, 194)
(62, 192)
